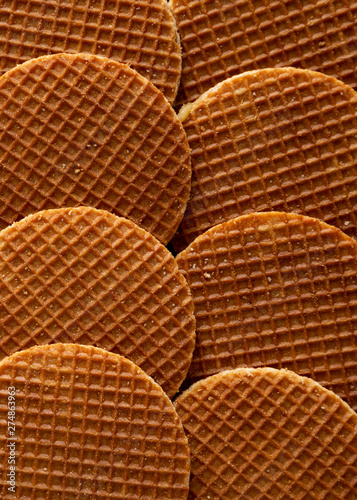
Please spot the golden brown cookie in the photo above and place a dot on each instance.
(86, 276)
(279, 290)
(86, 423)
(275, 139)
(222, 38)
(141, 33)
(266, 434)
(85, 130)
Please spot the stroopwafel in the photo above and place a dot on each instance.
(275, 139)
(87, 424)
(85, 130)
(141, 33)
(265, 434)
(278, 290)
(85, 276)
(222, 38)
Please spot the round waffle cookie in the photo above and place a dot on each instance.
(141, 33)
(222, 38)
(266, 434)
(87, 424)
(275, 139)
(279, 290)
(86, 276)
(85, 130)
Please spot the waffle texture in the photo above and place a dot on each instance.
(85, 130)
(86, 276)
(89, 424)
(275, 139)
(222, 38)
(265, 434)
(279, 290)
(141, 33)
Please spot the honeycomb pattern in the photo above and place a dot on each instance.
(89, 424)
(85, 130)
(141, 33)
(279, 290)
(265, 434)
(222, 38)
(86, 276)
(275, 139)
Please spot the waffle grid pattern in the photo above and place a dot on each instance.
(83, 130)
(142, 34)
(222, 38)
(90, 423)
(268, 434)
(88, 277)
(276, 139)
(275, 290)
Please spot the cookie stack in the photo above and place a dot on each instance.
(251, 329)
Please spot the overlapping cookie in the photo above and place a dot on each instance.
(85, 276)
(267, 434)
(275, 139)
(142, 34)
(86, 130)
(278, 290)
(222, 38)
(88, 423)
